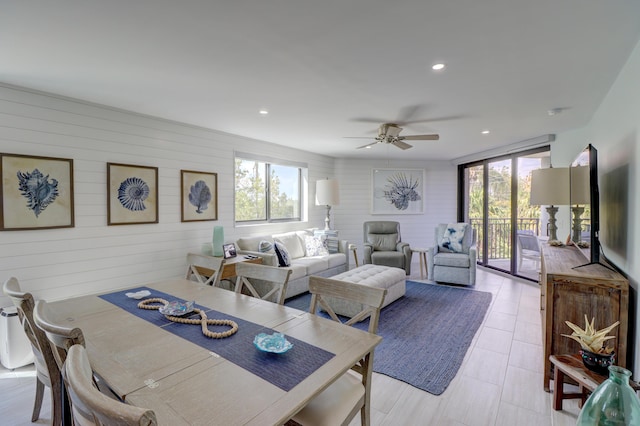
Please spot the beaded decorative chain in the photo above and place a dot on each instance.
(203, 321)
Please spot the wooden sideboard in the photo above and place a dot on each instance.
(567, 294)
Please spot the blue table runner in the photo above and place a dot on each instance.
(282, 370)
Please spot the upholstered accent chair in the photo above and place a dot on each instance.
(452, 259)
(383, 245)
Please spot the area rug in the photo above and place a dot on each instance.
(426, 333)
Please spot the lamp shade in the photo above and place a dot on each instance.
(327, 192)
(550, 187)
(580, 185)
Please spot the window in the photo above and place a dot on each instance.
(267, 190)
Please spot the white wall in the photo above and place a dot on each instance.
(614, 131)
(418, 230)
(92, 256)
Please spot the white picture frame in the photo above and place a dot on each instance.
(397, 191)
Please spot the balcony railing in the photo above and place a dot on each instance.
(499, 235)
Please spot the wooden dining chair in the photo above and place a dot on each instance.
(271, 281)
(341, 401)
(61, 338)
(92, 407)
(205, 269)
(47, 372)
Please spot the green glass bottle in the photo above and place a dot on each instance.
(614, 402)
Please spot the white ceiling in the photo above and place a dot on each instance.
(322, 66)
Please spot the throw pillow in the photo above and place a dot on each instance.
(265, 247)
(282, 253)
(453, 236)
(315, 246)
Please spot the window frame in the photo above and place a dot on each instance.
(268, 163)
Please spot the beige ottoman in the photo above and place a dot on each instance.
(393, 279)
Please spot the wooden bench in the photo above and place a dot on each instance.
(572, 366)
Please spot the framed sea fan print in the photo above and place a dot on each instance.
(36, 192)
(397, 191)
(132, 194)
(199, 195)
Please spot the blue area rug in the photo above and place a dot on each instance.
(426, 333)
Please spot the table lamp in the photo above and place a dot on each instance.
(580, 195)
(550, 187)
(327, 194)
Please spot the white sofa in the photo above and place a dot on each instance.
(302, 265)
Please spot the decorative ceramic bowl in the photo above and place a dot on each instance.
(597, 362)
(177, 308)
(275, 343)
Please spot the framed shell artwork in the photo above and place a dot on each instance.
(198, 195)
(132, 194)
(36, 192)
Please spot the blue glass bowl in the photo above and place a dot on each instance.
(177, 308)
(275, 343)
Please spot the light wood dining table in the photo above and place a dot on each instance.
(187, 384)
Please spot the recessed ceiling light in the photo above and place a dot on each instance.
(368, 147)
(263, 112)
(438, 67)
(485, 132)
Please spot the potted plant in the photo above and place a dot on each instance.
(595, 355)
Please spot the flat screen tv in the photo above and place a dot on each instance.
(585, 202)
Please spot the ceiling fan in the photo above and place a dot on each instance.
(389, 133)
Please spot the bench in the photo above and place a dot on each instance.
(392, 279)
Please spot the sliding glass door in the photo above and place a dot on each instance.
(495, 200)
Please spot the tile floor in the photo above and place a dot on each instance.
(499, 382)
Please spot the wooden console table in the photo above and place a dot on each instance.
(567, 294)
(229, 268)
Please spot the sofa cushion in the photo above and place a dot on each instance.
(298, 270)
(453, 237)
(266, 246)
(458, 260)
(282, 253)
(337, 259)
(293, 242)
(313, 264)
(315, 246)
(251, 243)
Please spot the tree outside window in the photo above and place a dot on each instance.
(258, 199)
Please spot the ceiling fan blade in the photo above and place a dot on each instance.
(409, 112)
(367, 145)
(357, 137)
(401, 144)
(430, 120)
(433, 137)
(368, 120)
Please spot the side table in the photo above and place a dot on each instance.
(572, 366)
(422, 254)
(353, 249)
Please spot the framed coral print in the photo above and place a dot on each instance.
(36, 192)
(132, 194)
(397, 191)
(198, 195)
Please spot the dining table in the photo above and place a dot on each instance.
(187, 378)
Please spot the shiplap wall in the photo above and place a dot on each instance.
(93, 257)
(440, 197)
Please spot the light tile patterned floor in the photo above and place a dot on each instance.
(499, 382)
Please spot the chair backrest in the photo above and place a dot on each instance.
(60, 338)
(276, 278)
(371, 299)
(46, 365)
(383, 235)
(205, 269)
(528, 241)
(89, 405)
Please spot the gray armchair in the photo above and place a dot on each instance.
(453, 263)
(383, 245)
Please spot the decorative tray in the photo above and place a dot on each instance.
(275, 343)
(177, 308)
